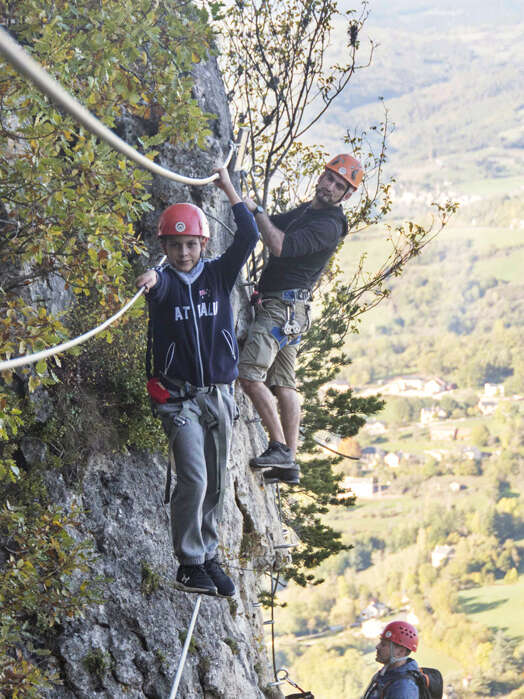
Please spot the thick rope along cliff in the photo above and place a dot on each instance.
(26, 65)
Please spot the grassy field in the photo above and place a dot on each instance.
(506, 267)
(496, 185)
(483, 240)
(497, 607)
(368, 516)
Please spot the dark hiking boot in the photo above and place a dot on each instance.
(277, 454)
(291, 476)
(195, 579)
(223, 582)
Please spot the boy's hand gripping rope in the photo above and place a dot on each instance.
(50, 351)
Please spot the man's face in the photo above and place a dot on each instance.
(331, 189)
(383, 651)
(386, 651)
(184, 251)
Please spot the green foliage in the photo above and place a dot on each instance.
(70, 204)
(70, 209)
(331, 671)
(456, 312)
(42, 583)
(193, 646)
(151, 579)
(425, 344)
(232, 644)
(233, 607)
(97, 663)
(480, 435)
(115, 373)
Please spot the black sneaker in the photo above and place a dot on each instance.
(277, 454)
(195, 579)
(225, 585)
(291, 476)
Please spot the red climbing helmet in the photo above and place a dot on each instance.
(347, 167)
(401, 633)
(183, 219)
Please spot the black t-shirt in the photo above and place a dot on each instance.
(311, 237)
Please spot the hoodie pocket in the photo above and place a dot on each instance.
(229, 342)
(170, 355)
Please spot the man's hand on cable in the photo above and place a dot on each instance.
(272, 236)
(147, 280)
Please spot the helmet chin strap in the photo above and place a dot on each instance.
(392, 659)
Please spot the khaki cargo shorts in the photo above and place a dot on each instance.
(268, 355)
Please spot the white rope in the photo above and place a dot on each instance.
(37, 356)
(182, 660)
(26, 65)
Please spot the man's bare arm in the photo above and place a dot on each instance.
(272, 236)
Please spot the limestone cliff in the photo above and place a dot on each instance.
(129, 644)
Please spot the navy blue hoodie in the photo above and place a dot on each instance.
(191, 315)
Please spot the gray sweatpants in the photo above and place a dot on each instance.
(198, 428)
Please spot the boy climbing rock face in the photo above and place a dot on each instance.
(195, 359)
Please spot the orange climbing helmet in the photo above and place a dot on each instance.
(183, 219)
(401, 633)
(347, 167)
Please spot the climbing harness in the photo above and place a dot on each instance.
(181, 662)
(26, 65)
(167, 401)
(289, 297)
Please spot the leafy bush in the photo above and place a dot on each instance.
(42, 583)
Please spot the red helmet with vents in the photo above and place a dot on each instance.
(401, 633)
(183, 219)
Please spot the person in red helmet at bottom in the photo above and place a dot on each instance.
(301, 242)
(195, 362)
(396, 679)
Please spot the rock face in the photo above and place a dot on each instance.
(130, 644)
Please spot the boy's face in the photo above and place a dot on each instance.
(184, 251)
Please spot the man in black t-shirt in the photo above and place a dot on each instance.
(301, 242)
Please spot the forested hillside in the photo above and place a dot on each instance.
(451, 77)
(438, 527)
